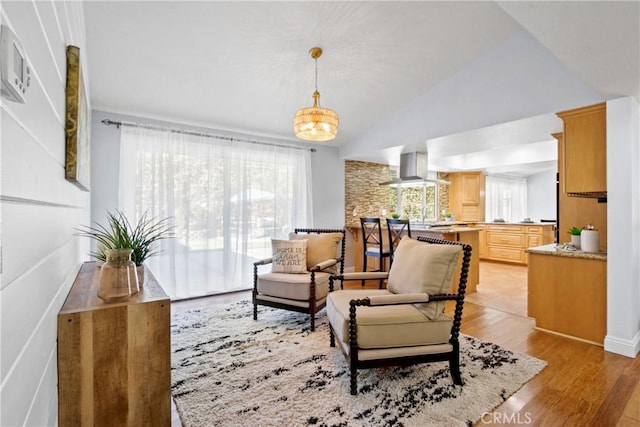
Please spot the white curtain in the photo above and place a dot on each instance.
(228, 198)
(506, 198)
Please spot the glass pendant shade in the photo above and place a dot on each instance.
(315, 123)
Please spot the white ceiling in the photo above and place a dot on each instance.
(244, 66)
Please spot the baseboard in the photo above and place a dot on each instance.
(629, 348)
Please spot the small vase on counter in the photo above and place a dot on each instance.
(575, 241)
(118, 276)
(590, 239)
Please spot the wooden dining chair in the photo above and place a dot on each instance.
(396, 228)
(372, 243)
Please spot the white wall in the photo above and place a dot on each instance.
(623, 227)
(517, 80)
(39, 211)
(327, 172)
(541, 195)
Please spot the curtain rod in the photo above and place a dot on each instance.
(109, 122)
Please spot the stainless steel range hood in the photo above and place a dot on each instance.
(414, 171)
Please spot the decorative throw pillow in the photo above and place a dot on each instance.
(421, 267)
(320, 248)
(289, 256)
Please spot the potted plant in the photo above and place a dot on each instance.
(119, 233)
(575, 236)
(448, 216)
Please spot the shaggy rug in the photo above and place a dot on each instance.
(229, 370)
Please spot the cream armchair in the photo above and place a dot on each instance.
(405, 323)
(304, 289)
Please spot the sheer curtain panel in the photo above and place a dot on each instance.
(506, 198)
(227, 198)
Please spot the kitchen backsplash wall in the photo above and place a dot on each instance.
(364, 197)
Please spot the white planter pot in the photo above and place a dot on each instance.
(575, 241)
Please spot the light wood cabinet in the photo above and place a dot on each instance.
(507, 242)
(114, 359)
(585, 149)
(568, 296)
(467, 196)
(578, 211)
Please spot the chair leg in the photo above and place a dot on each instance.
(313, 322)
(332, 337)
(454, 364)
(255, 311)
(364, 266)
(354, 381)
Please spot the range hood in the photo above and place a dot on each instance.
(414, 171)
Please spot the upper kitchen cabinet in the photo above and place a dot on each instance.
(585, 151)
(467, 196)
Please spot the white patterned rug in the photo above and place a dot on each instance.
(229, 370)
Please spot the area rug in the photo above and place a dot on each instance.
(230, 370)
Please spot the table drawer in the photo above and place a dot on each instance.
(505, 254)
(533, 240)
(516, 240)
(534, 229)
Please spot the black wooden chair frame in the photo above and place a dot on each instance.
(396, 227)
(372, 235)
(453, 356)
(313, 308)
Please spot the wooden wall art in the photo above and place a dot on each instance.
(77, 124)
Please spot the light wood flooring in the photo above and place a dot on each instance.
(582, 384)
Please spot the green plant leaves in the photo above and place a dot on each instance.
(120, 234)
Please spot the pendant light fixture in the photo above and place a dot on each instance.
(316, 123)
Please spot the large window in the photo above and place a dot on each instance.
(506, 198)
(419, 204)
(228, 199)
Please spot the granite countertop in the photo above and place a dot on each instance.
(518, 223)
(566, 250)
(438, 227)
(452, 229)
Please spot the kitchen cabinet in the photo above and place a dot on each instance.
(577, 211)
(585, 150)
(567, 295)
(467, 196)
(114, 359)
(507, 242)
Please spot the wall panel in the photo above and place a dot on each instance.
(39, 210)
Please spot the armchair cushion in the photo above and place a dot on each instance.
(292, 286)
(320, 248)
(420, 267)
(385, 326)
(289, 256)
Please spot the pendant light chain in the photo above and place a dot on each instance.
(316, 59)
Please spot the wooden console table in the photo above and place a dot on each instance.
(114, 359)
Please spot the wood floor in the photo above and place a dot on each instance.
(583, 385)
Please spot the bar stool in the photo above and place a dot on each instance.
(372, 243)
(396, 229)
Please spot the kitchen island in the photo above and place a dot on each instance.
(568, 292)
(455, 232)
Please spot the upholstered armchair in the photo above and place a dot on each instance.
(405, 323)
(300, 271)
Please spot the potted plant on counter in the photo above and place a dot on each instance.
(119, 233)
(575, 236)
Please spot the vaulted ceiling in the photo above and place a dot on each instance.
(244, 66)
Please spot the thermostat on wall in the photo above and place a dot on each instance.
(15, 72)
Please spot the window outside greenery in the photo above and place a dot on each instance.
(418, 204)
